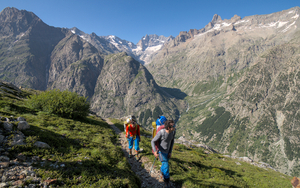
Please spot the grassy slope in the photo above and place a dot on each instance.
(194, 168)
(92, 158)
(86, 148)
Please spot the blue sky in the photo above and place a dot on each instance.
(133, 19)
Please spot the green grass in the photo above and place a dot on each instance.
(83, 153)
(194, 168)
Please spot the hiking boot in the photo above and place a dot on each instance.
(137, 156)
(130, 154)
(167, 183)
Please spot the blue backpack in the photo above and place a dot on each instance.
(161, 120)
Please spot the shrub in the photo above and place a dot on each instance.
(65, 104)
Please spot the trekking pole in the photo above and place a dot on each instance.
(153, 164)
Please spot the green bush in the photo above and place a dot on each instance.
(65, 104)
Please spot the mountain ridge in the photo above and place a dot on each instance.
(142, 51)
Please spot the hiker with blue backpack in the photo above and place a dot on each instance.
(165, 139)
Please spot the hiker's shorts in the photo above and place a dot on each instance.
(136, 143)
(163, 157)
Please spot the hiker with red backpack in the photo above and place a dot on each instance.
(165, 140)
(133, 135)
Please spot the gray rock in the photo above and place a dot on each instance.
(4, 184)
(229, 156)
(4, 164)
(21, 119)
(4, 158)
(21, 157)
(18, 139)
(27, 172)
(31, 185)
(4, 178)
(23, 125)
(41, 144)
(7, 126)
(1, 138)
(246, 159)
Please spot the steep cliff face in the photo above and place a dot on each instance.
(266, 100)
(75, 66)
(125, 86)
(26, 43)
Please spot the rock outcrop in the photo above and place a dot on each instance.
(17, 171)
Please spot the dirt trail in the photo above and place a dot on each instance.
(152, 180)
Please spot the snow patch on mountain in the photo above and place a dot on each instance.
(280, 24)
(142, 51)
(296, 16)
(288, 27)
(154, 48)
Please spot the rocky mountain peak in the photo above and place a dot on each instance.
(76, 31)
(152, 40)
(235, 18)
(13, 14)
(14, 21)
(216, 19)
